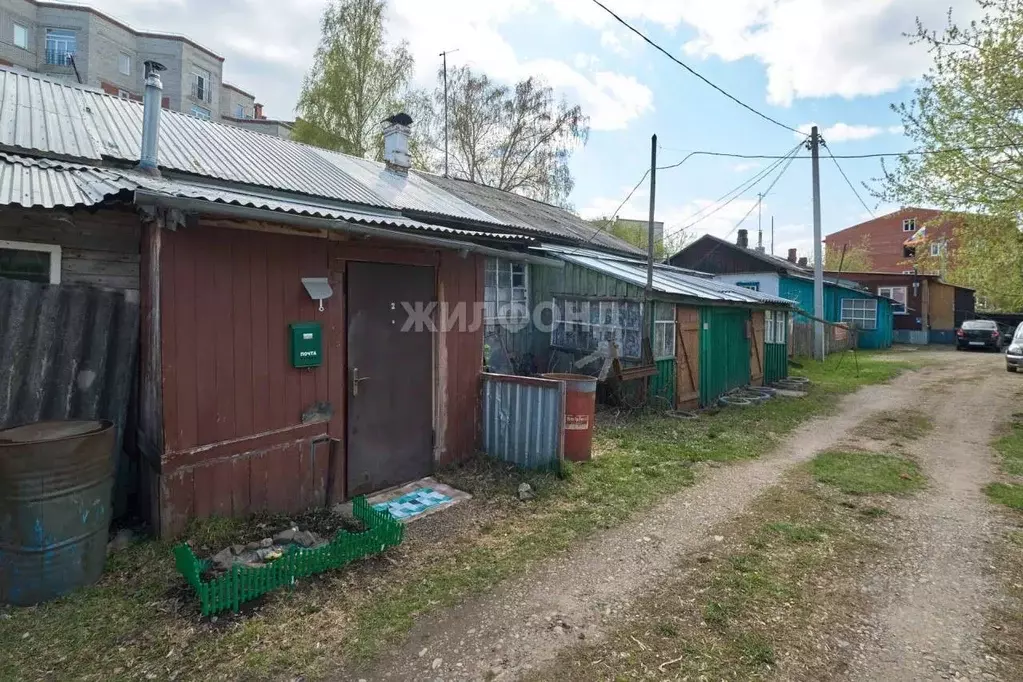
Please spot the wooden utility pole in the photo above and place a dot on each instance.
(444, 55)
(648, 313)
(818, 260)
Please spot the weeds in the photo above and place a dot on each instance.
(865, 473)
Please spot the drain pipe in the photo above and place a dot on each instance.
(149, 160)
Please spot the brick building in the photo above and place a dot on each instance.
(885, 240)
(86, 46)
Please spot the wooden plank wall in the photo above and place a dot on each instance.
(234, 439)
(97, 248)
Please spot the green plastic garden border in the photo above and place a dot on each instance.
(243, 583)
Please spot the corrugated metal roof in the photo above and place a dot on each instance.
(48, 184)
(667, 279)
(525, 213)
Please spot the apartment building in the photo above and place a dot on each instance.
(912, 239)
(84, 45)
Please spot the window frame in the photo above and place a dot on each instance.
(860, 305)
(891, 294)
(61, 36)
(54, 250)
(664, 323)
(752, 286)
(204, 94)
(204, 113)
(936, 249)
(239, 111)
(124, 61)
(909, 224)
(492, 315)
(14, 35)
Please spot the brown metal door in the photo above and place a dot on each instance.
(390, 376)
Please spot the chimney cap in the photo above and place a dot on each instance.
(153, 66)
(793, 253)
(400, 118)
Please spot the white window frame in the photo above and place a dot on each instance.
(937, 248)
(124, 63)
(123, 94)
(239, 111)
(512, 309)
(61, 39)
(751, 285)
(53, 249)
(202, 112)
(24, 30)
(664, 331)
(860, 313)
(205, 93)
(889, 292)
(909, 225)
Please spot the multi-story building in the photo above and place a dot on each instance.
(85, 45)
(910, 239)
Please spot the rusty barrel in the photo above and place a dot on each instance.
(580, 403)
(55, 484)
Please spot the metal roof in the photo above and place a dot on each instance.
(535, 216)
(667, 279)
(768, 259)
(48, 184)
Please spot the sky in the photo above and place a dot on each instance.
(839, 64)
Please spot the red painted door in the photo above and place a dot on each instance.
(390, 376)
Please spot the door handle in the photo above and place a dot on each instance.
(356, 379)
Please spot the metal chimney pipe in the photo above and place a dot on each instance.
(149, 160)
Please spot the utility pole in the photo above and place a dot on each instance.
(772, 235)
(445, 57)
(760, 227)
(647, 307)
(818, 265)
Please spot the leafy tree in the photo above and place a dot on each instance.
(518, 139)
(851, 258)
(966, 122)
(356, 80)
(635, 232)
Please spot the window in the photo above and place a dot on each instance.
(30, 262)
(124, 63)
(201, 112)
(775, 326)
(201, 85)
(937, 248)
(239, 111)
(60, 46)
(909, 272)
(896, 293)
(123, 94)
(505, 294)
(860, 312)
(755, 286)
(584, 325)
(21, 36)
(664, 331)
(909, 225)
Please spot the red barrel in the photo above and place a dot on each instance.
(580, 403)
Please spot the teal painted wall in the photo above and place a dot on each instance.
(776, 355)
(662, 384)
(724, 351)
(801, 291)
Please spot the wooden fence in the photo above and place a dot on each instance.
(836, 338)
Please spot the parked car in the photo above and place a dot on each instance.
(979, 334)
(1014, 354)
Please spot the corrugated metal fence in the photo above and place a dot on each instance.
(523, 420)
(67, 353)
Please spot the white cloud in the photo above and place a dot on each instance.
(744, 166)
(844, 132)
(610, 41)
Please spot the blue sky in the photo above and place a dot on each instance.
(837, 63)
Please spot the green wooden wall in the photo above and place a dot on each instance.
(724, 351)
(662, 384)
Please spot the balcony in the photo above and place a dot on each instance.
(60, 57)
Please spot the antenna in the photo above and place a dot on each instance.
(445, 56)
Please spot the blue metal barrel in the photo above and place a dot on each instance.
(55, 485)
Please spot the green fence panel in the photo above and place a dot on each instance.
(662, 384)
(724, 351)
(242, 583)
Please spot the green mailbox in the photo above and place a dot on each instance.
(306, 344)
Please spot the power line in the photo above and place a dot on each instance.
(875, 155)
(691, 70)
(849, 182)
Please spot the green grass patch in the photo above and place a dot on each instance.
(797, 533)
(1009, 494)
(866, 473)
(1010, 447)
(141, 619)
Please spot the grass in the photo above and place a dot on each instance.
(1010, 446)
(1009, 494)
(898, 426)
(780, 585)
(141, 620)
(865, 473)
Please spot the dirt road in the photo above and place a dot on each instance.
(929, 602)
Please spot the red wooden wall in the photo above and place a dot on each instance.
(233, 438)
